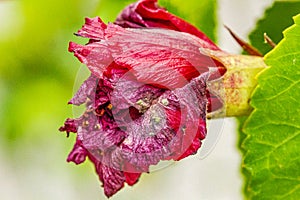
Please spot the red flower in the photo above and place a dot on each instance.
(146, 98)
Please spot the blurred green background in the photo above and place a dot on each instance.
(37, 76)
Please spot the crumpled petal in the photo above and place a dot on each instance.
(95, 55)
(91, 133)
(154, 136)
(78, 153)
(170, 128)
(69, 126)
(86, 90)
(93, 29)
(164, 58)
(129, 92)
(146, 13)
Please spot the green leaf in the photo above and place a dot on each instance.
(273, 129)
(276, 19)
(241, 137)
(201, 14)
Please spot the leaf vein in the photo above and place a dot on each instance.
(283, 91)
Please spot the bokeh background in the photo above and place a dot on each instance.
(37, 76)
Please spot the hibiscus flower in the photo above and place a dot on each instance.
(146, 98)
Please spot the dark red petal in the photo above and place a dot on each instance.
(78, 153)
(113, 179)
(155, 136)
(93, 29)
(95, 55)
(131, 177)
(87, 89)
(171, 128)
(69, 126)
(173, 116)
(98, 145)
(193, 143)
(128, 92)
(102, 93)
(100, 139)
(193, 97)
(146, 13)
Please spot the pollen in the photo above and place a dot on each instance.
(101, 113)
(109, 106)
(97, 126)
(165, 102)
(85, 124)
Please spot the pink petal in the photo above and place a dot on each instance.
(95, 55)
(86, 89)
(93, 29)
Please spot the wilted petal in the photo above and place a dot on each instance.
(78, 153)
(131, 177)
(129, 92)
(146, 13)
(160, 57)
(69, 126)
(88, 88)
(93, 29)
(194, 101)
(95, 55)
(113, 179)
(170, 129)
(96, 137)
